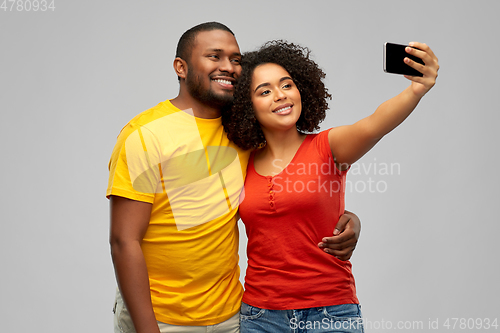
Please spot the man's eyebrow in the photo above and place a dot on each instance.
(221, 50)
(268, 84)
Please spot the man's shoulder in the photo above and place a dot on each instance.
(149, 116)
(160, 110)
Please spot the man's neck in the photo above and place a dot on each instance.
(200, 110)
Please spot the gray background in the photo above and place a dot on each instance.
(71, 78)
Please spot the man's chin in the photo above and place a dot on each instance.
(211, 98)
(223, 99)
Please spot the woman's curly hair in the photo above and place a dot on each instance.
(240, 122)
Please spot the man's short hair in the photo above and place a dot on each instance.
(186, 42)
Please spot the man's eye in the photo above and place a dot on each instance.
(236, 61)
(214, 56)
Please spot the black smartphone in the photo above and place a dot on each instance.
(394, 55)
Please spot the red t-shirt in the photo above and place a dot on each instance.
(286, 216)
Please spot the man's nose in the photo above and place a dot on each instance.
(225, 65)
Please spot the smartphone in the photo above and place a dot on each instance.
(394, 55)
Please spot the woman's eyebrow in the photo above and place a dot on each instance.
(267, 83)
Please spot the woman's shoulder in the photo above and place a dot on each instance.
(321, 143)
(320, 136)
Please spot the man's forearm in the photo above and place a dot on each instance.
(133, 282)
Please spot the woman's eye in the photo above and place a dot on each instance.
(265, 92)
(288, 85)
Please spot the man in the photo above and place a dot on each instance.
(174, 188)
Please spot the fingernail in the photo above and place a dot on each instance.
(407, 60)
(411, 43)
(408, 49)
(336, 232)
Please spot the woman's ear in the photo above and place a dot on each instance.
(180, 67)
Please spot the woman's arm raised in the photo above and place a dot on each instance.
(349, 143)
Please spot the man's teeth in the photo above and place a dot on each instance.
(223, 81)
(281, 110)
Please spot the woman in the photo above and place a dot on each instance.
(295, 182)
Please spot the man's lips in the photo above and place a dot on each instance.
(284, 109)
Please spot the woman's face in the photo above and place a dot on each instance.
(275, 98)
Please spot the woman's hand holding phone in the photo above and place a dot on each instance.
(421, 85)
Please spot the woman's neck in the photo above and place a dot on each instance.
(280, 145)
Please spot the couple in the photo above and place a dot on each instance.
(175, 183)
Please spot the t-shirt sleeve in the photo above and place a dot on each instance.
(323, 147)
(135, 165)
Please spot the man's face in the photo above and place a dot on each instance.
(213, 68)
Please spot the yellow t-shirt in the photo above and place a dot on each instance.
(193, 175)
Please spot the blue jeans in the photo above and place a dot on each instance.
(345, 318)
